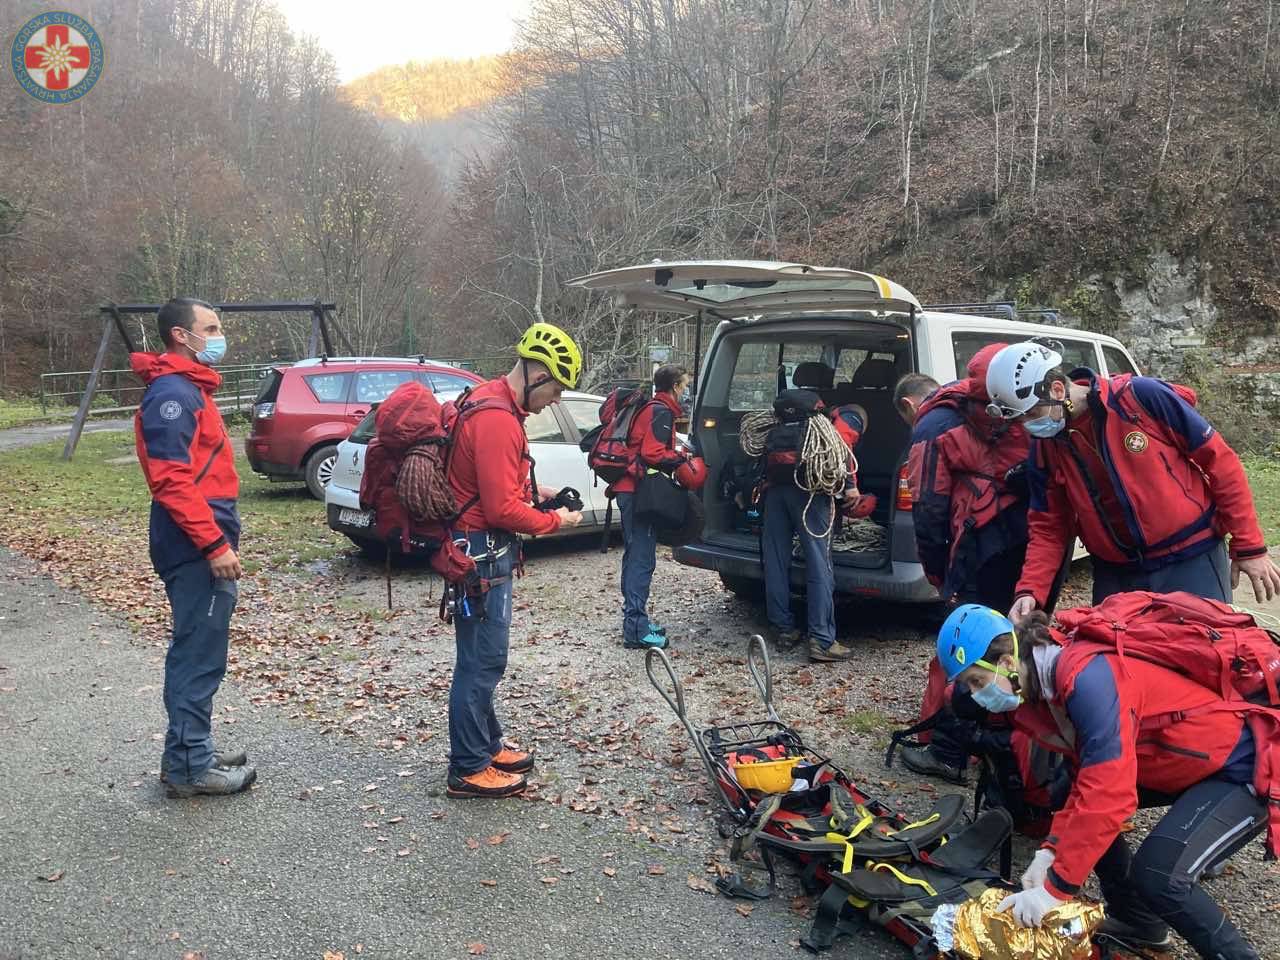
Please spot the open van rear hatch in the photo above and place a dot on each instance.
(726, 289)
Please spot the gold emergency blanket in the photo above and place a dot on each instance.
(983, 934)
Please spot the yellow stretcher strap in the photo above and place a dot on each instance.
(905, 879)
(912, 826)
(865, 819)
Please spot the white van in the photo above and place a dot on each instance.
(770, 316)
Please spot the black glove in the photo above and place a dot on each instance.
(1015, 481)
(568, 498)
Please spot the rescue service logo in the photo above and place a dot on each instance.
(1135, 442)
(170, 410)
(57, 57)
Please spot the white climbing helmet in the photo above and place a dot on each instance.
(1015, 375)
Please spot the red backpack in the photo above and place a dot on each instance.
(1207, 641)
(1211, 643)
(606, 446)
(406, 473)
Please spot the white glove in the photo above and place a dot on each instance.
(1030, 906)
(1038, 872)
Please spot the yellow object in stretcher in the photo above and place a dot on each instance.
(767, 776)
(983, 934)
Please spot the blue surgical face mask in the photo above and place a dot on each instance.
(1044, 427)
(215, 348)
(996, 698)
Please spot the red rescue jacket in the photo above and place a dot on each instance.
(187, 459)
(490, 461)
(651, 441)
(1179, 486)
(1126, 725)
(963, 510)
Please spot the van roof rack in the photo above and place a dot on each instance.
(1004, 309)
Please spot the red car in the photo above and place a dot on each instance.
(304, 411)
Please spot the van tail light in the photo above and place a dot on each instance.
(264, 411)
(904, 490)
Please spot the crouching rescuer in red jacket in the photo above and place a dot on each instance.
(651, 445)
(1127, 464)
(1136, 732)
(189, 464)
(489, 471)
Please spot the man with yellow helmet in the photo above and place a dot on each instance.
(489, 471)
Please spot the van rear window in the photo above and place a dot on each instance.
(764, 366)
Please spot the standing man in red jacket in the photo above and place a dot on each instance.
(651, 445)
(489, 471)
(1130, 466)
(189, 465)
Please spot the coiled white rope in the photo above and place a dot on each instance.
(825, 461)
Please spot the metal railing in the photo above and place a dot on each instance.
(120, 391)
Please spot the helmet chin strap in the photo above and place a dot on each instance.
(529, 387)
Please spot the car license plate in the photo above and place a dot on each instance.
(355, 518)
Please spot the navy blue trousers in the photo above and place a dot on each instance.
(1208, 576)
(785, 517)
(639, 559)
(483, 632)
(194, 665)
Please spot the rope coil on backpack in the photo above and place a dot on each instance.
(422, 486)
(825, 461)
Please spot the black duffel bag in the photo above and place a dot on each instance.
(691, 529)
(660, 501)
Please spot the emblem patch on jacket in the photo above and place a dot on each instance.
(172, 410)
(1135, 442)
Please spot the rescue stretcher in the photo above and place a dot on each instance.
(869, 865)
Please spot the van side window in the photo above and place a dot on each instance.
(755, 376)
(1117, 362)
(1075, 353)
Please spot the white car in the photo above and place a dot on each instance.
(553, 440)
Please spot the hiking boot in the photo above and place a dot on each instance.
(785, 639)
(1147, 936)
(835, 652)
(512, 761)
(221, 758)
(657, 628)
(922, 760)
(214, 782)
(489, 783)
(650, 639)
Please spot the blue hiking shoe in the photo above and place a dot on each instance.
(650, 639)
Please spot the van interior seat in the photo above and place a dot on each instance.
(887, 436)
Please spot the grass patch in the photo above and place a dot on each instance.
(282, 526)
(1264, 480)
(868, 721)
(19, 411)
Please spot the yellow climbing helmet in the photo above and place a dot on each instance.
(767, 776)
(555, 349)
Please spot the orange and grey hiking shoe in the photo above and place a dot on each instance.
(512, 761)
(489, 782)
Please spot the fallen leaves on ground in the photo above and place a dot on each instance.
(701, 884)
(476, 949)
(53, 877)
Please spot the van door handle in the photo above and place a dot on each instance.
(359, 413)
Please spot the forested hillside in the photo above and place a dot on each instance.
(1043, 150)
(214, 157)
(435, 90)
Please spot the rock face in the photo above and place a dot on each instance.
(1170, 323)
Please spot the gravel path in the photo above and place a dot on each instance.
(28, 436)
(621, 819)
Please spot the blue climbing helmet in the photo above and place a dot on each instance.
(966, 635)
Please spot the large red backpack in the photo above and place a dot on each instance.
(607, 446)
(1207, 641)
(1212, 643)
(406, 466)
